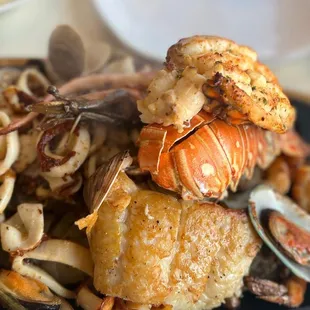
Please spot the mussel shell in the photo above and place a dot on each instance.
(294, 240)
(18, 292)
(97, 55)
(262, 200)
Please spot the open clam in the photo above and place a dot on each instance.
(284, 227)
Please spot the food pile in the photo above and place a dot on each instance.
(151, 190)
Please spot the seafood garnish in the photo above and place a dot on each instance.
(262, 200)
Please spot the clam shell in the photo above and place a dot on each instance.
(97, 55)
(99, 184)
(66, 52)
(263, 199)
(124, 65)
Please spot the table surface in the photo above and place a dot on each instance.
(24, 32)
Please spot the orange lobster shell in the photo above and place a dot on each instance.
(210, 155)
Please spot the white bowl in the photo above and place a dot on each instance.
(10, 4)
(275, 28)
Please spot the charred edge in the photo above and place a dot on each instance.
(47, 162)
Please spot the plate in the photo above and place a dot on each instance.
(7, 5)
(276, 29)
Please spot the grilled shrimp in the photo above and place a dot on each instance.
(223, 78)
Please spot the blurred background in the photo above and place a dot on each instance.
(278, 29)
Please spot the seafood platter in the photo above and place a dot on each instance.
(132, 185)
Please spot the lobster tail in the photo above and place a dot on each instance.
(206, 158)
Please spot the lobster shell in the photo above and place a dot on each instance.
(210, 155)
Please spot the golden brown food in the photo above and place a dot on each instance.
(301, 187)
(151, 248)
(278, 175)
(223, 78)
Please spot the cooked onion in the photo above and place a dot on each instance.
(58, 251)
(12, 145)
(24, 230)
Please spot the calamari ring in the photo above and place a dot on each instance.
(6, 189)
(54, 250)
(53, 165)
(12, 145)
(64, 186)
(24, 81)
(24, 230)
(28, 152)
